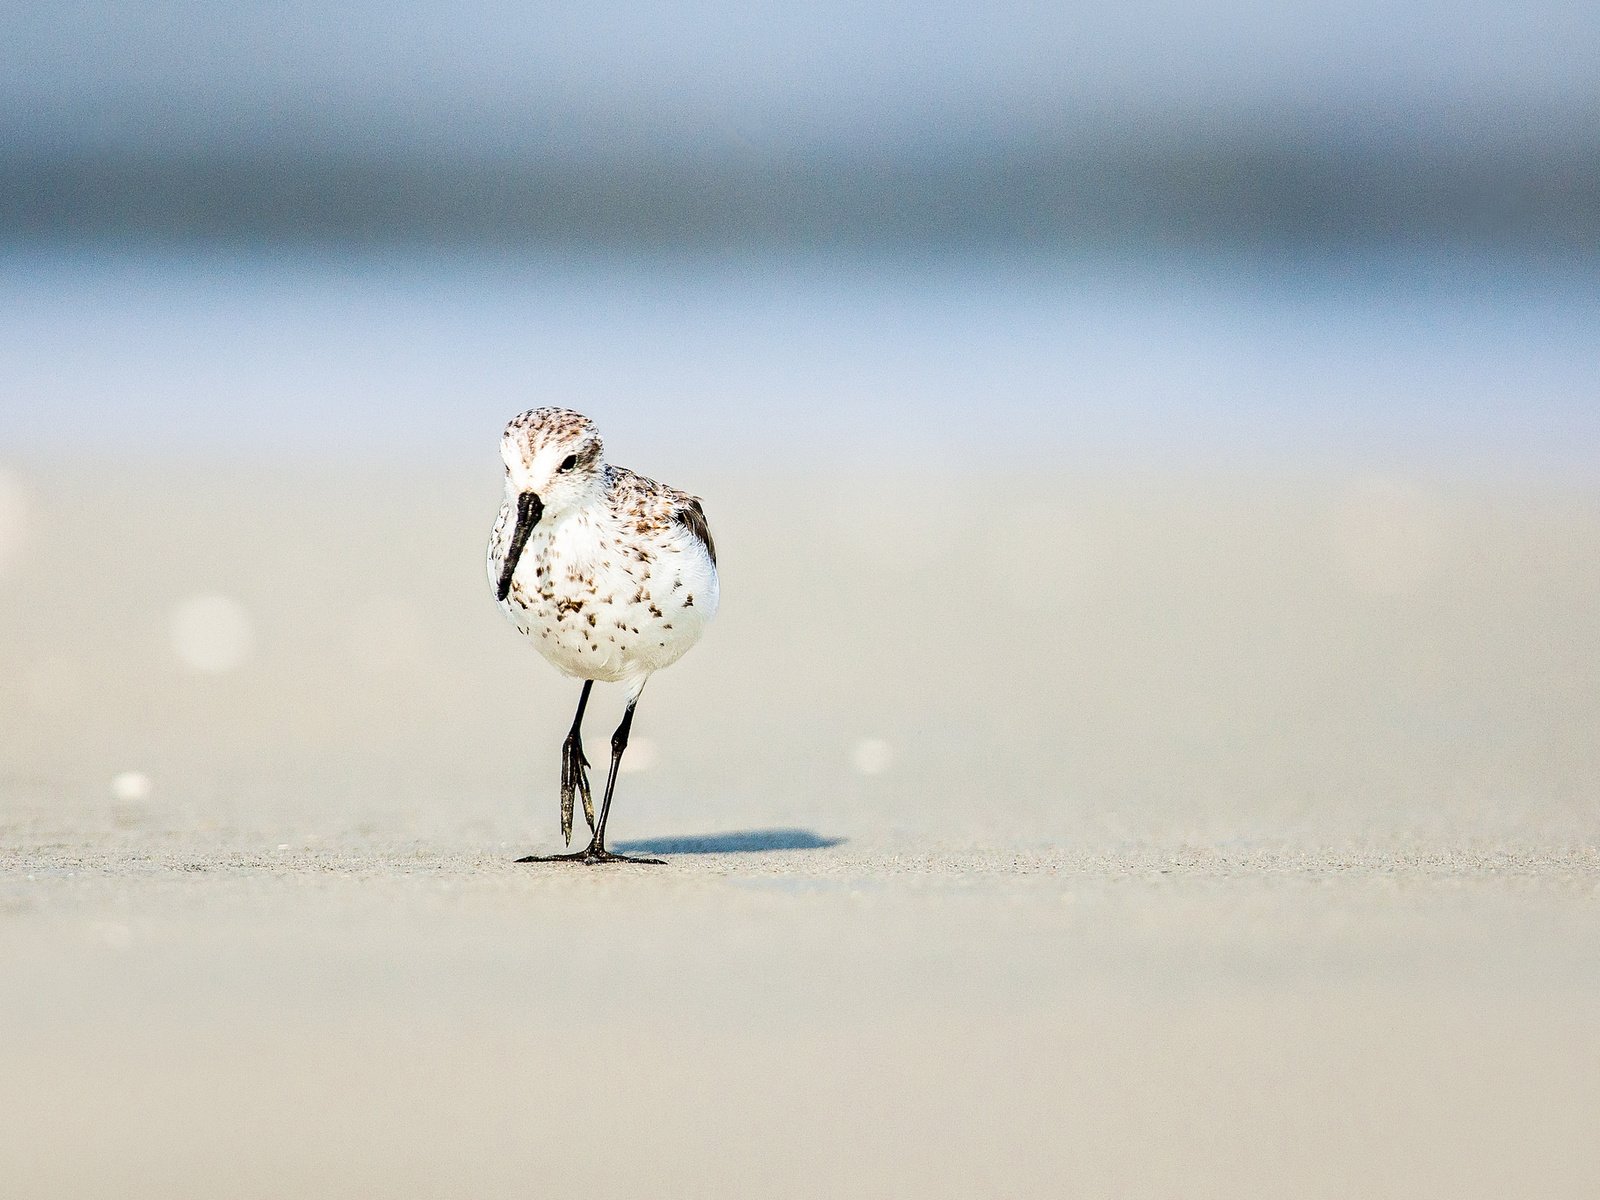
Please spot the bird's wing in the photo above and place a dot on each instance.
(693, 518)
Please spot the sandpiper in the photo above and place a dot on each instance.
(610, 575)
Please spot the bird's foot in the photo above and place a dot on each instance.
(574, 783)
(590, 856)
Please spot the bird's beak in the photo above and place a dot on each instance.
(529, 509)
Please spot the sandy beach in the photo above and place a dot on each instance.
(1228, 836)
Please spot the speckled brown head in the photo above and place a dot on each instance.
(554, 461)
(538, 444)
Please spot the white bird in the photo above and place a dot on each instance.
(610, 575)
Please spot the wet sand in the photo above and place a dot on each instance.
(1241, 841)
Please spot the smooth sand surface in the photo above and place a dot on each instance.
(1210, 838)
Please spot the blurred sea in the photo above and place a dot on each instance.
(1423, 362)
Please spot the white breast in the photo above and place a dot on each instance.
(602, 602)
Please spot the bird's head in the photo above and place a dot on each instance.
(554, 453)
(554, 463)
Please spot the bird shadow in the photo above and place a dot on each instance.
(743, 841)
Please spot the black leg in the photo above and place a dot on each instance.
(619, 743)
(596, 851)
(575, 770)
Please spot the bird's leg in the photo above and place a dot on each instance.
(596, 851)
(575, 770)
(619, 743)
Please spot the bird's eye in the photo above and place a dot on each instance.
(568, 463)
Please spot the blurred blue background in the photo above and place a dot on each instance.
(1227, 231)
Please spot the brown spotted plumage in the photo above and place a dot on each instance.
(693, 518)
(578, 538)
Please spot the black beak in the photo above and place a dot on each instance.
(529, 509)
